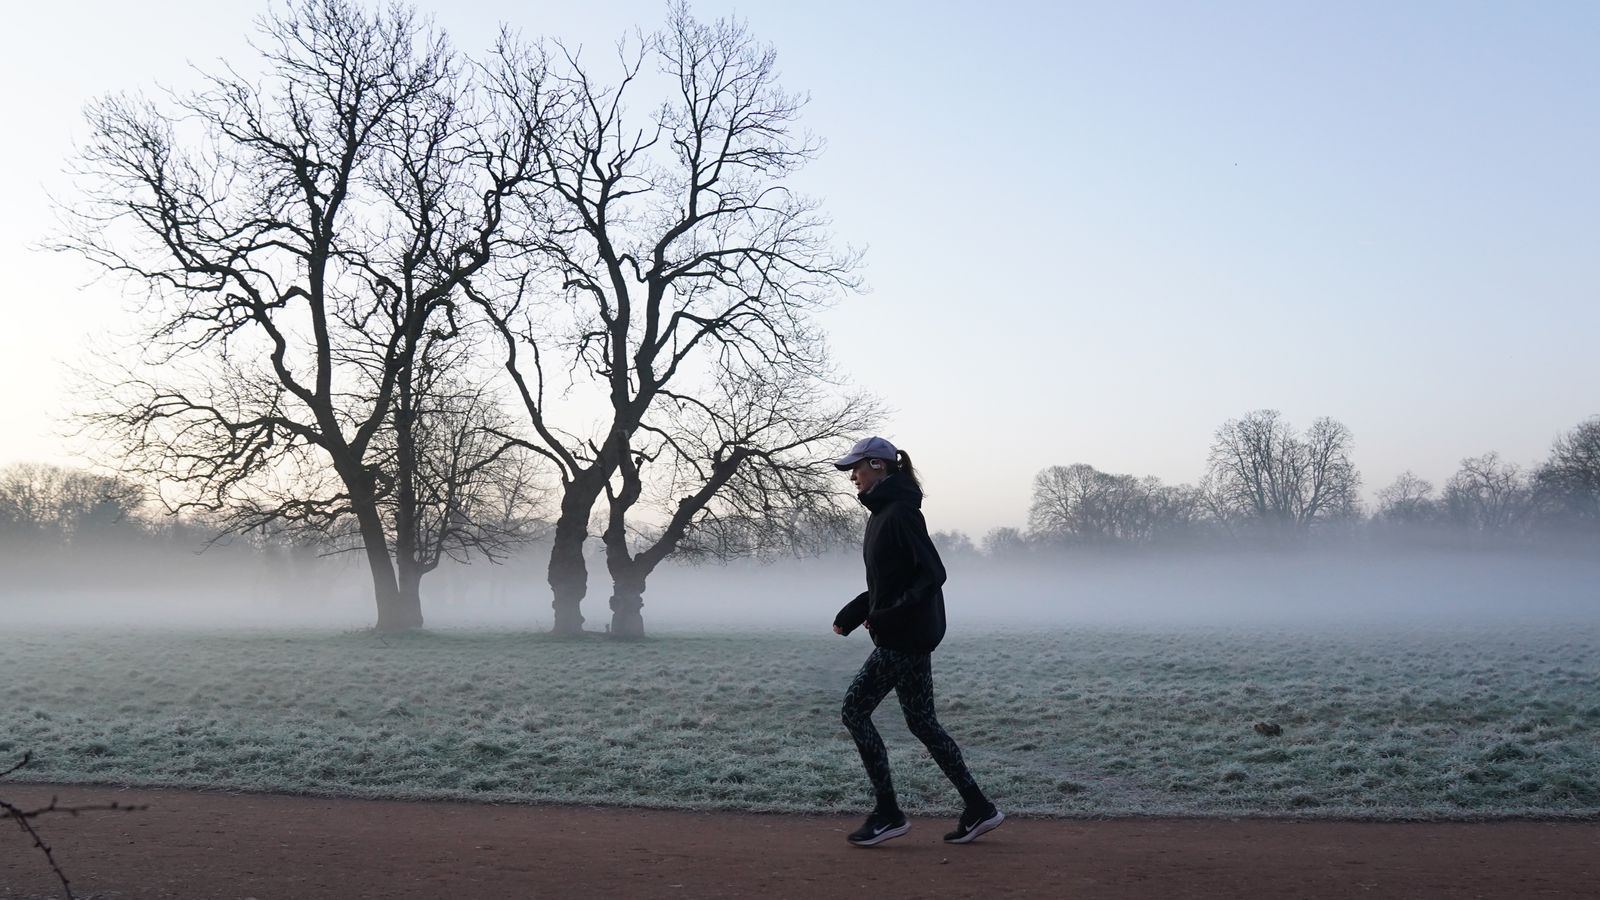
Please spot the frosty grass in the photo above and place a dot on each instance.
(1376, 724)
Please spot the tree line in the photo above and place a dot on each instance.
(1266, 481)
(426, 305)
(65, 529)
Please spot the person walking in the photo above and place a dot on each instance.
(903, 611)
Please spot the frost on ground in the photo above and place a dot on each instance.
(1416, 723)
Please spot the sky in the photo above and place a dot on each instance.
(1094, 232)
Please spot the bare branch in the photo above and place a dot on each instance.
(24, 819)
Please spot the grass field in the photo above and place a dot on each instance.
(1399, 723)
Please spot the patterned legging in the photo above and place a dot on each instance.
(910, 676)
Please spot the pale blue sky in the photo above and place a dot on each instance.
(1095, 231)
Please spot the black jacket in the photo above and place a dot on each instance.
(903, 605)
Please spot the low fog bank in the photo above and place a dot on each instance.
(1234, 589)
(230, 587)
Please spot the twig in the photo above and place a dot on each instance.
(23, 817)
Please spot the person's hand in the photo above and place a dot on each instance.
(838, 630)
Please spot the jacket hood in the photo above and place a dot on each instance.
(891, 489)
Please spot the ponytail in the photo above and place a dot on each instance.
(902, 466)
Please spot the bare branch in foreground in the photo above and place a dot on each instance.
(24, 819)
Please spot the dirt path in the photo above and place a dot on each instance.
(208, 845)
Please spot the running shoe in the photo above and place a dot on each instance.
(974, 822)
(880, 827)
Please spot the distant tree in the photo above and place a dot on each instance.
(195, 529)
(1568, 482)
(299, 234)
(671, 248)
(1408, 500)
(65, 506)
(1067, 500)
(1178, 512)
(1262, 473)
(1081, 504)
(291, 561)
(1005, 543)
(954, 544)
(1487, 495)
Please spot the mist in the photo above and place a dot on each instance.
(129, 584)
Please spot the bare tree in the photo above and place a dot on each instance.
(665, 249)
(1569, 481)
(739, 459)
(1081, 504)
(1408, 500)
(954, 544)
(1178, 513)
(1005, 543)
(462, 489)
(1262, 473)
(64, 506)
(789, 529)
(298, 237)
(1061, 495)
(1487, 495)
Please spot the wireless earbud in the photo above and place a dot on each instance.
(876, 463)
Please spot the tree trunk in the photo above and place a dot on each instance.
(630, 572)
(627, 618)
(395, 612)
(408, 572)
(569, 574)
(410, 585)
